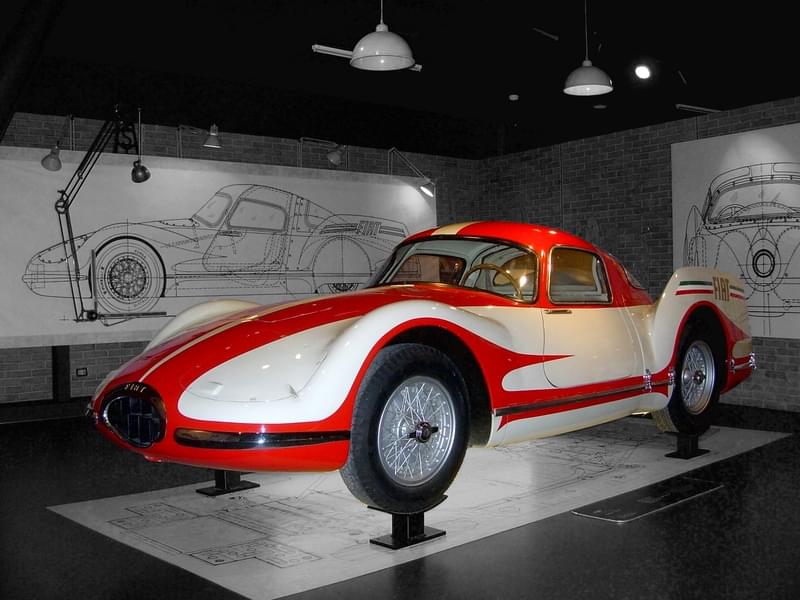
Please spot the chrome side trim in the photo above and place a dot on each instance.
(521, 408)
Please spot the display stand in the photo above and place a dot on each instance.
(687, 446)
(407, 530)
(227, 482)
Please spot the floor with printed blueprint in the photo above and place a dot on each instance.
(299, 531)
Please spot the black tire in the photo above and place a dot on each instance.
(130, 276)
(433, 432)
(698, 379)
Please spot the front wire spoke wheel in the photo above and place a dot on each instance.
(411, 448)
(410, 429)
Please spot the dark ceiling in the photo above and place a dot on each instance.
(247, 66)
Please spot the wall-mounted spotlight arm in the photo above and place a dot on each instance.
(428, 187)
(348, 54)
(123, 131)
(335, 151)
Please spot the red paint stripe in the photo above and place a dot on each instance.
(685, 292)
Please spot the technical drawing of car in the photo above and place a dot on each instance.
(246, 240)
(485, 334)
(750, 225)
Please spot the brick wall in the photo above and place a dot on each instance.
(614, 190)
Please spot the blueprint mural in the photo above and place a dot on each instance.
(196, 231)
(247, 240)
(745, 219)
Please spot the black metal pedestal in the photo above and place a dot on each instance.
(687, 446)
(407, 530)
(226, 482)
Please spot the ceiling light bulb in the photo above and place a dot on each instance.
(642, 71)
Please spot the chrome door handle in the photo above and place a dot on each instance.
(558, 311)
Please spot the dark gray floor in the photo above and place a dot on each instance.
(740, 542)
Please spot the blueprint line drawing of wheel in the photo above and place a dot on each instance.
(409, 431)
(340, 266)
(130, 276)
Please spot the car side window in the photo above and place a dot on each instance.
(250, 214)
(521, 271)
(429, 268)
(577, 277)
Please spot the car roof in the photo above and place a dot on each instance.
(524, 234)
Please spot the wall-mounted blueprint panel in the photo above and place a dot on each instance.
(196, 231)
(736, 207)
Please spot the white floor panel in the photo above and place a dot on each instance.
(299, 531)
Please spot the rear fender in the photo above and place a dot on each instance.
(688, 292)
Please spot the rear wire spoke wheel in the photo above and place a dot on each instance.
(409, 431)
(698, 375)
(697, 385)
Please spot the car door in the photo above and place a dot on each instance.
(253, 240)
(582, 324)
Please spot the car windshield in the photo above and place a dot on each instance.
(755, 192)
(487, 265)
(214, 210)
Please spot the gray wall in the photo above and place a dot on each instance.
(613, 189)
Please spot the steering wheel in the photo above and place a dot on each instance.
(491, 267)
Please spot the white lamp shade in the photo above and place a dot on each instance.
(587, 80)
(382, 50)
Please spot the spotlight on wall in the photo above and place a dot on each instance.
(335, 154)
(212, 141)
(427, 187)
(139, 173)
(52, 160)
(211, 137)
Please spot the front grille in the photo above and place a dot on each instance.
(134, 412)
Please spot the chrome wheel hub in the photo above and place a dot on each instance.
(698, 374)
(416, 431)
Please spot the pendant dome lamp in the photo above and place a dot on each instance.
(382, 50)
(587, 80)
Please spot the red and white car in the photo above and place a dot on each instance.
(472, 334)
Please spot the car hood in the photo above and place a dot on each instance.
(188, 354)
